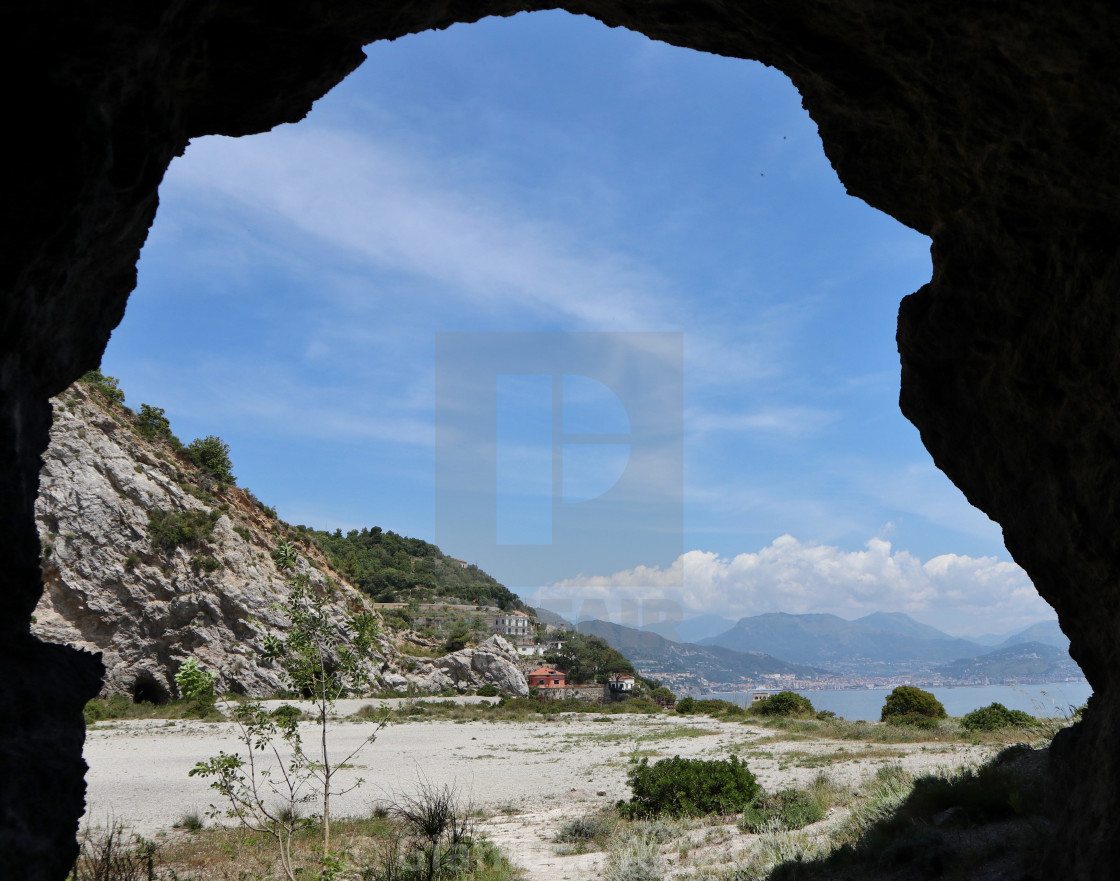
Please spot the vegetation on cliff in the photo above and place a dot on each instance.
(394, 568)
(384, 565)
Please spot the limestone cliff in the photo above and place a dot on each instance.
(108, 588)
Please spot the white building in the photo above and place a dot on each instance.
(512, 624)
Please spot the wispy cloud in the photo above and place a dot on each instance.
(407, 215)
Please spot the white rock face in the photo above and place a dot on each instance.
(494, 662)
(108, 589)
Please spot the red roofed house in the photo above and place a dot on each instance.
(546, 677)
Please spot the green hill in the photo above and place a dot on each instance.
(394, 568)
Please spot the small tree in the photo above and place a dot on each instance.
(909, 705)
(323, 659)
(211, 454)
(152, 423)
(196, 684)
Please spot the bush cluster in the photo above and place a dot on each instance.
(169, 529)
(116, 706)
(211, 454)
(787, 704)
(288, 713)
(994, 717)
(109, 386)
(689, 787)
(780, 811)
(907, 705)
(690, 706)
(487, 690)
(204, 563)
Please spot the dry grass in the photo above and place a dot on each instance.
(947, 731)
(803, 759)
(235, 853)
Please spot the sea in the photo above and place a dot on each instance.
(1043, 700)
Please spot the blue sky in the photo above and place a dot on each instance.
(546, 174)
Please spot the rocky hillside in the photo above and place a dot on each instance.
(150, 560)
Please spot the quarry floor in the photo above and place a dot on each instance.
(527, 778)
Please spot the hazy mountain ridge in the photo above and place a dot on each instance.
(831, 641)
(1046, 632)
(653, 654)
(1028, 660)
(692, 630)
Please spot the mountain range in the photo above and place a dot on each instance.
(830, 641)
(881, 643)
(712, 664)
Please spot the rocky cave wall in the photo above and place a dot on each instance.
(986, 126)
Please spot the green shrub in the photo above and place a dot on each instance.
(689, 706)
(196, 684)
(286, 713)
(487, 690)
(116, 706)
(689, 787)
(784, 703)
(779, 811)
(152, 423)
(995, 716)
(169, 529)
(907, 705)
(204, 563)
(457, 639)
(211, 454)
(109, 386)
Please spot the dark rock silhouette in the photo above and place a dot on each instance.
(988, 127)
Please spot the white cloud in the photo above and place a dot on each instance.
(960, 594)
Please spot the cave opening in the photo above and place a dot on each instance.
(969, 124)
(458, 181)
(146, 689)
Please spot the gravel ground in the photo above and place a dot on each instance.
(529, 776)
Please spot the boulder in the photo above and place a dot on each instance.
(494, 662)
